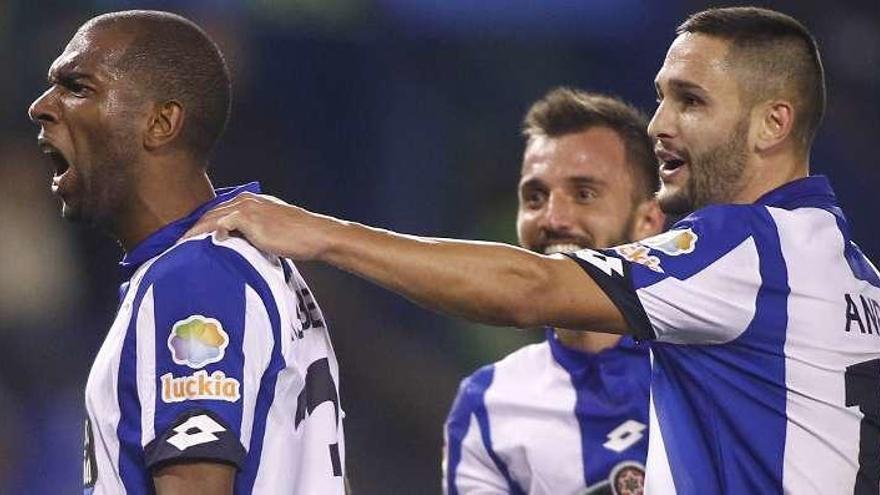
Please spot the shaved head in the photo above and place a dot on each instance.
(170, 58)
(774, 57)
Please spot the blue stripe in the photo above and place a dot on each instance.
(194, 278)
(457, 426)
(722, 408)
(611, 387)
(244, 482)
(128, 431)
(474, 399)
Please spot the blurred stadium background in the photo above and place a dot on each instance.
(398, 113)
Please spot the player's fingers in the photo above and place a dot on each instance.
(206, 224)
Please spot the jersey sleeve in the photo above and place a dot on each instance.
(695, 284)
(204, 330)
(468, 467)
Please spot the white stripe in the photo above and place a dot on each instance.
(257, 344)
(146, 366)
(713, 306)
(658, 478)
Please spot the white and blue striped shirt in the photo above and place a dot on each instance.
(218, 353)
(765, 329)
(551, 420)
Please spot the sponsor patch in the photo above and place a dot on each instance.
(637, 253)
(674, 242)
(200, 386)
(197, 341)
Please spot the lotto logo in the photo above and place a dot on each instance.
(195, 431)
(625, 436)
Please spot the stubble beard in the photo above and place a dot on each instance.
(716, 176)
(110, 184)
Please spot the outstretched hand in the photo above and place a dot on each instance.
(268, 223)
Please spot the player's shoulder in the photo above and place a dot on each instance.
(205, 258)
(530, 356)
(697, 242)
(725, 221)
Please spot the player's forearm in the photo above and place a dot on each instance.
(487, 282)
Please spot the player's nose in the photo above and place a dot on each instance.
(559, 216)
(662, 123)
(43, 110)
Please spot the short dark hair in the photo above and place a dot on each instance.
(775, 54)
(565, 111)
(174, 59)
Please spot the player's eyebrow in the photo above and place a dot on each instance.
(682, 85)
(585, 180)
(69, 71)
(532, 183)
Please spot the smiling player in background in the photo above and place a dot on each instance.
(588, 179)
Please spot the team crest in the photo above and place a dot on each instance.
(197, 341)
(628, 478)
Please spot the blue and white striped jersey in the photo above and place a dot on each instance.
(765, 328)
(551, 420)
(218, 353)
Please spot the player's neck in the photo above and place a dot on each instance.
(592, 342)
(160, 202)
(771, 174)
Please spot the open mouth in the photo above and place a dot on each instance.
(60, 165)
(672, 165)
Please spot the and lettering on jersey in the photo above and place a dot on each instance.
(868, 320)
(197, 341)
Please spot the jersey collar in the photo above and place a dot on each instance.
(165, 237)
(813, 191)
(573, 359)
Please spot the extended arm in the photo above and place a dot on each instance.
(487, 282)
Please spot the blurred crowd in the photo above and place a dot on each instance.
(399, 113)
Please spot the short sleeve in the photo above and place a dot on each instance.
(199, 315)
(468, 466)
(694, 284)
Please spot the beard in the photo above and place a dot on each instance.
(107, 184)
(715, 176)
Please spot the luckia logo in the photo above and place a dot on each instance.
(197, 341)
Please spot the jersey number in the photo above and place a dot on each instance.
(318, 389)
(863, 390)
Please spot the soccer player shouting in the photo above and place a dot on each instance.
(217, 375)
(588, 180)
(761, 311)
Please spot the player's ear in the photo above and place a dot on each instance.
(774, 120)
(648, 221)
(164, 125)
